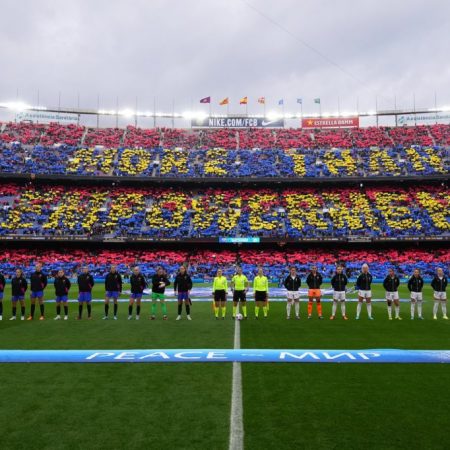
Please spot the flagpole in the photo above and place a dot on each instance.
(435, 106)
(173, 113)
(376, 108)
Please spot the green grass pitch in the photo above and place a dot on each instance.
(187, 406)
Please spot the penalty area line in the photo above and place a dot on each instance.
(236, 415)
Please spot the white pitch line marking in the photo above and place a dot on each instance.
(236, 415)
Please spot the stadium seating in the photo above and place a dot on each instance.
(203, 264)
(32, 134)
(388, 212)
(220, 163)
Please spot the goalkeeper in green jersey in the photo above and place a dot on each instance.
(159, 284)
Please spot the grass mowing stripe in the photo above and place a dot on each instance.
(236, 415)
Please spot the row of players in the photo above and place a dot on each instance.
(239, 287)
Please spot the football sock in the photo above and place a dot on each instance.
(319, 308)
(310, 306)
(333, 309)
(80, 310)
(188, 309)
(369, 309)
(153, 308)
(106, 309)
(115, 309)
(234, 310)
(343, 308)
(164, 308)
(89, 309)
(180, 308)
(66, 310)
(256, 311)
(397, 311)
(389, 308)
(288, 309)
(130, 310)
(216, 311)
(22, 310)
(224, 310)
(1, 308)
(138, 310)
(358, 309)
(265, 310)
(413, 309)
(435, 308)
(33, 307)
(41, 307)
(419, 308)
(244, 310)
(444, 308)
(14, 309)
(58, 310)
(297, 308)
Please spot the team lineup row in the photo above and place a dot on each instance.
(239, 288)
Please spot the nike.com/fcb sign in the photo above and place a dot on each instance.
(236, 122)
(331, 122)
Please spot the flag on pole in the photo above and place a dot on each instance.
(281, 102)
(317, 100)
(299, 101)
(225, 101)
(205, 100)
(262, 100)
(243, 101)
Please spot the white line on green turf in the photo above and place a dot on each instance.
(236, 416)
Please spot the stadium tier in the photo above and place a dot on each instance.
(161, 162)
(303, 213)
(33, 134)
(202, 265)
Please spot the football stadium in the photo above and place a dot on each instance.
(228, 271)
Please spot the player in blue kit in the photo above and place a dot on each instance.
(113, 288)
(19, 286)
(38, 282)
(85, 285)
(138, 284)
(62, 285)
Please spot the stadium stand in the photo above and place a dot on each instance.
(32, 134)
(388, 212)
(203, 264)
(222, 163)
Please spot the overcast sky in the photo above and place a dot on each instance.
(182, 50)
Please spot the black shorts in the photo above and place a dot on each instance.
(260, 296)
(239, 296)
(220, 296)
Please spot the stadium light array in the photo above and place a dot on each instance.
(19, 106)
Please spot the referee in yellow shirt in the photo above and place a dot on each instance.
(220, 287)
(239, 286)
(261, 290)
